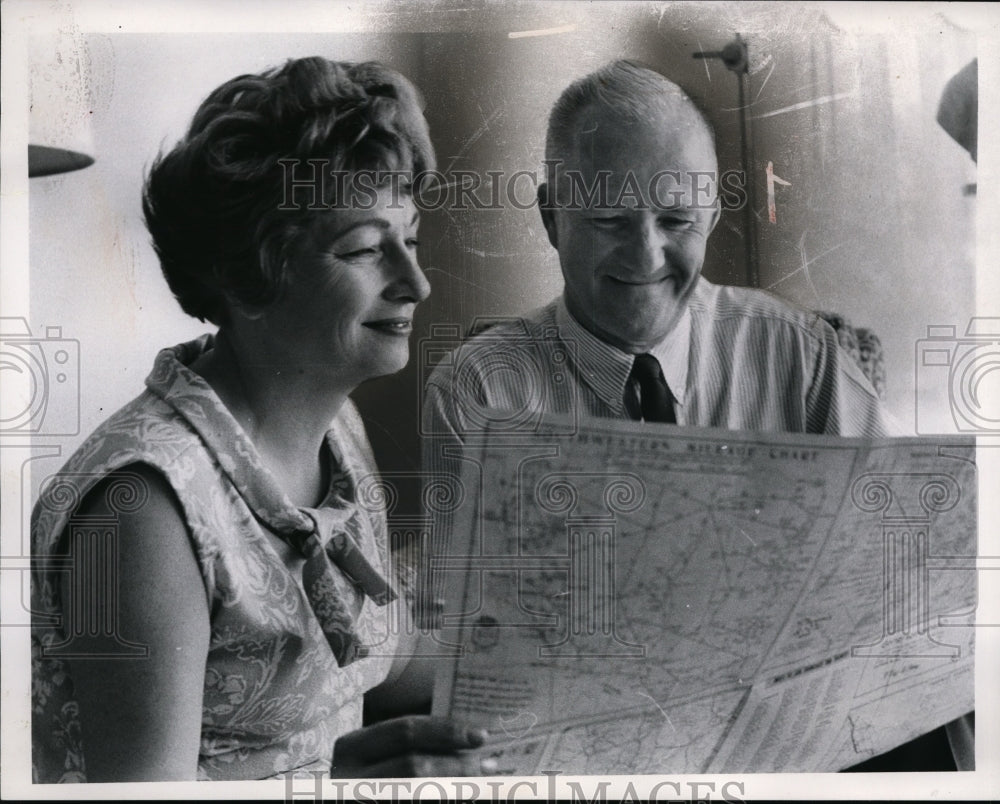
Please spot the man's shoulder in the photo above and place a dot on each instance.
(750, 306)
(538, 323)
(494, 338)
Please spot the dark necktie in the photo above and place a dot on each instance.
(655, 403)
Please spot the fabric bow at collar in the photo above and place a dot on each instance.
(336, 597)
(336, 575)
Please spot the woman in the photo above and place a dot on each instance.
(252, 583)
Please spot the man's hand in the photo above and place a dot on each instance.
(415, 745)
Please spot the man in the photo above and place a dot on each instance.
(630, 200)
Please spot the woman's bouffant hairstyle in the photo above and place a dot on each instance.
(215, 205)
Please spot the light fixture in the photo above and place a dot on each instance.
(59, 131)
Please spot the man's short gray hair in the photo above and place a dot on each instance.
(635, 92)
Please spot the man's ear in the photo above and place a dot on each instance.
(547, 211)
(716, 214)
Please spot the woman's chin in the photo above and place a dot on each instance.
(386, 366)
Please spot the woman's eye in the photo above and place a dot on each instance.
(412, 242)
(356, 253)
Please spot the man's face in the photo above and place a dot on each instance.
(631, 259)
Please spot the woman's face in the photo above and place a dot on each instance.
(355, 282)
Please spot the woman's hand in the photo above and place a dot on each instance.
(415, 745)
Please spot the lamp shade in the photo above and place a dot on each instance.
(59, 130)
(46, 161)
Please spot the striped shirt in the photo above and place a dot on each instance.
(738, 359)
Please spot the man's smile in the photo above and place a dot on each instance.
(642, 282)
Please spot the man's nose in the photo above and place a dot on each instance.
(408, 280)
(650, 245)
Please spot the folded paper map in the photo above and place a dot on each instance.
(629, 598)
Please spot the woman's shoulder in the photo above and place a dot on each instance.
(143, 439)
(147, 425)
(144, 430)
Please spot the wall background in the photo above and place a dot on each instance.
(874, 226)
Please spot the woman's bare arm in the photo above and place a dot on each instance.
(410, 684)
(141, 717)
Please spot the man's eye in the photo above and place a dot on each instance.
(675, 223)
(609, 222)
(412, 242)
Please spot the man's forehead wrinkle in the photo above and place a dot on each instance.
(604, 143)
(672, 115)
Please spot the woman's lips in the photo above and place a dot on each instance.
(391, 326)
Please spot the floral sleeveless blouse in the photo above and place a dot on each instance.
(275, 698)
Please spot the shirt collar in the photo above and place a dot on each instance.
(672, 352)
(194, 400)
(605, 368)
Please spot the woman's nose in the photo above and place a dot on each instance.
(409, 281)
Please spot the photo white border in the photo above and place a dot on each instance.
(23, 16)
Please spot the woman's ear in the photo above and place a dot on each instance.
(240, 309)
(547, 210)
